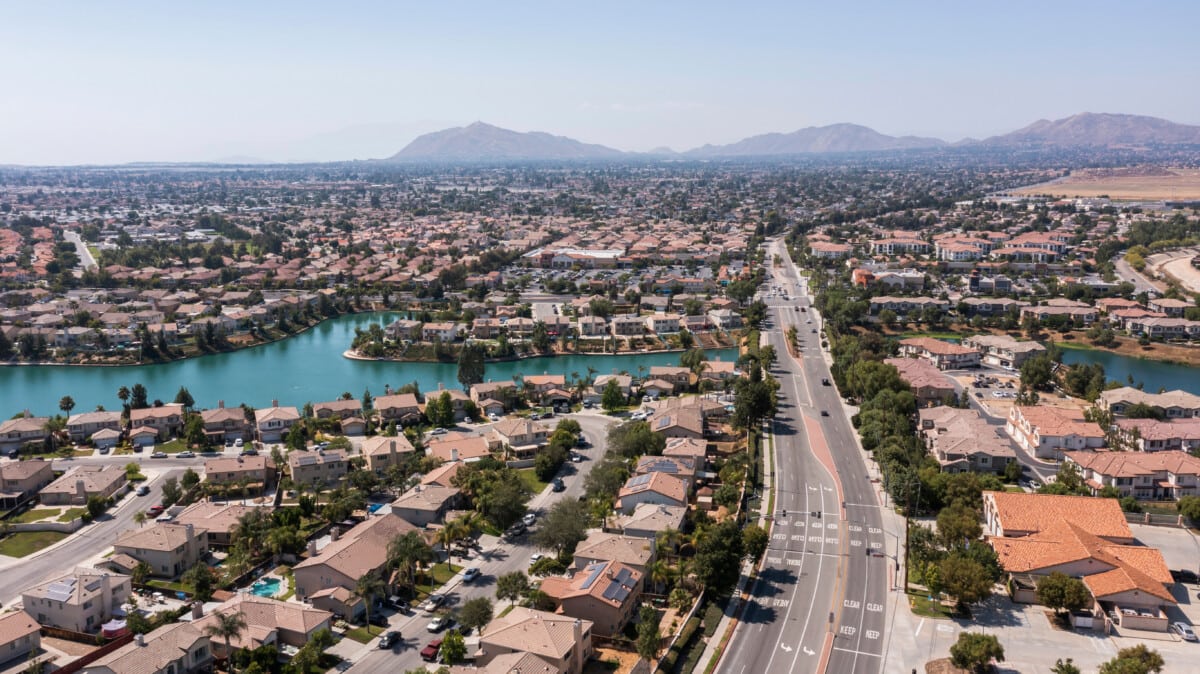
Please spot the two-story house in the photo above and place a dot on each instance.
(167, 548)
(80, 601)
(605, 593)
(174, 648)
(527, 640)
(22, 480)
(16, 433)
(167, 421)
(402, 408)
(382, 452)
(256, 472)
(319, 467)
(225, 423)
(523, 436)
(274, 422)
(81, 426)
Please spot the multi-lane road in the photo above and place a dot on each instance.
(818, 604)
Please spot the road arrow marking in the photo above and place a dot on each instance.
(786, 648)
(809, 651)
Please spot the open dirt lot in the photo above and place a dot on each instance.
(1134, 183)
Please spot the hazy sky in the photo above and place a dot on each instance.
(101, 82)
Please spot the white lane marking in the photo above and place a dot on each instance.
(795, 588)
(851, 650)
(919, 626)
(946, 628)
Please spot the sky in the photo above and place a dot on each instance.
(115, 82)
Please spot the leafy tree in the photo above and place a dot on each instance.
(454, 648)
(1012, 471)
(1061, 592)
(719, 556)
(193, 431)
(1189, 506)
(202, 579)
(441, 413)
(66, 404)
(755, 540)
(964, 578)
(475, 613)
(564, 526)
(190, 479)
(1134, 660)
(540, 337)
(647, 632)
(975, 651)
(548, 566)
(634, 439)
(406, 553)
(958, 524)
(296, 438)
(694, 359)
(727, 495)
(611, 398)
(470, 365)
(171, 492)
(184, 397)
(96, 505)
(1037, 373)
(512, 586)
(138, 397)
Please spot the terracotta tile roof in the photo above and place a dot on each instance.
(537, 632)
(15, 625)
(1035, 512)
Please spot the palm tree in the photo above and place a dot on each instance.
(139, 518)
(368, 587)
(123, 395)
(406, 553)
(66, 404)
(227, 626)
(661, 574)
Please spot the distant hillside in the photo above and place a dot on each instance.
(815, 139)
(484, 142)
(1091, 128)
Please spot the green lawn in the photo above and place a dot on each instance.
(171, 446)
(529, 477)
(169, 585)
(27, 542)
(71, 514)
(35, 515)
(923, 606)
(442, 573)
(364, 634)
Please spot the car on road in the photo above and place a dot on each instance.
(186, 454)
(440, 623)
(158, 455)
(824, 413)
(438, 431)
(388, 640)
(1183, 630)
(557, 485)
(582, 442)
(576, 458)
(515, 530)
(156, 510)
(143, 490)
(433, 602)
(824, 381)
(535, 557)
(470, 574)
(431, 650)
(529, 519)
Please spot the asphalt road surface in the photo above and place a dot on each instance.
(825, 579)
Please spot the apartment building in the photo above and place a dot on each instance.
(1050, 431)
(929, 384)
(1152, 435)
(1159, 476)
(1176, 404)
(945, 355)
(1003, 351)
(962, 441)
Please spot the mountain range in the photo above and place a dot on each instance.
(484, 142)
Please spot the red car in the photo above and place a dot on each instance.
(430, 652)
(155, 511)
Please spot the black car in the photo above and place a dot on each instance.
(379, 620)
(824, 381)
(389, 639)
(557, 485)
(1184, 576)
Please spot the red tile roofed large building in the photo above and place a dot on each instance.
(1049, 431)
(927, 382)
(1038, 534)
(1152, 435)
(1160, 476)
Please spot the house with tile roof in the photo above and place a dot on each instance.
(361, 550)
(655, 488)
(81, 426)
(326, 466)
(167, 421)
(1088, 538)
(963, 441)
(678, 422)
(257, 472)
(681, 467)
(635, 552)
(403, 408)
(1159, 476)
(944, 355)
(21, 480)
(226, 423)
(175, 648)
(426, 504)
(167, 548)
(218, 520)
(268, 621)
(455, 446)
(20, 635)
(82, 482)
(274, 422)
(929, 384)
(563, 642)
(1003, 351)
(1047, 431)
(382, 452)
(1176, 404)
(1152, 435)
(80, 601)
(606, 593)
(650, 519)
(15, 433)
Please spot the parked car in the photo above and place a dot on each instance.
(158, 455)
(379, 620)
(389, 639)
(186, 454)
(535, 557)
(557, 485)
(238, 443)
(249, 451)
(1184, 631)
(433, 602)
(1185, 576)
(440, 623)
(229, 442)
(156, 510)
(431, 650)
(438, 431)
(143, 490)
(493, 417)
(824, 413)
(529, 519)
(576, 458)
(103, 450)
(470, 574)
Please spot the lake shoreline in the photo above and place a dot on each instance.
(352, 355)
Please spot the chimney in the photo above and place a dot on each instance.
(274, 403)
(312, 548)
(335, 533)
(577, 647)
(220, 404)
(197, 610)
(392, 447)
(190, 529)
(139, 639)
(80, 490)
(453, 455)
